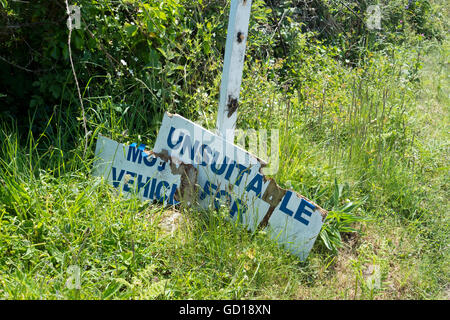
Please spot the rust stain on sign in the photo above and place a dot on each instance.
(240, 37)
(188, 173)
(149, 175)
(232, 105)
(274, 194)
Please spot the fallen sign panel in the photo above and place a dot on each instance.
(135, 171)
(229, 175)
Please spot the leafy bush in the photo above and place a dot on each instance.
(153, 56)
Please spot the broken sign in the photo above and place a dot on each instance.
(150, 176)
(229, 175)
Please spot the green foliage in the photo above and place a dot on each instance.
(340, 219)
(148, 56)
(154, 56)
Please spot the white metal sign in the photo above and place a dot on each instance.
(149, 176)
(229, 175)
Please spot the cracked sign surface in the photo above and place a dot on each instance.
(229, 175)
(133, 170)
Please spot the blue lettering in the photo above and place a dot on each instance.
(187, 144)
(152, 189)
(116, 180)
(141, 184)
(238, 207)
(161, 184)
(147, 187)
(283, 206)
(207, 190)
(161, 166)
(256, 185)
(219, 195)
(134, 153)
(169, 139)
(230, 170)
(214, 163)
(148, 163)
(205, 157)
(242, 169)
(172, 194)
(302, 209)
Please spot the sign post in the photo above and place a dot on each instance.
(232, 68)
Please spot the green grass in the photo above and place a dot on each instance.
(50, 224)
(375, 136)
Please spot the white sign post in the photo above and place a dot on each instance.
(232, 68)
(228, 175)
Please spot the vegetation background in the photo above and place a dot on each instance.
(364, 128)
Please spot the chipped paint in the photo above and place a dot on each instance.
(232, 105)
(233, 66)
(143, 173)
(240, 37)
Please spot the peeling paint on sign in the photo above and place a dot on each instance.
(233, 65)
(136, 171)
(229, 175)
